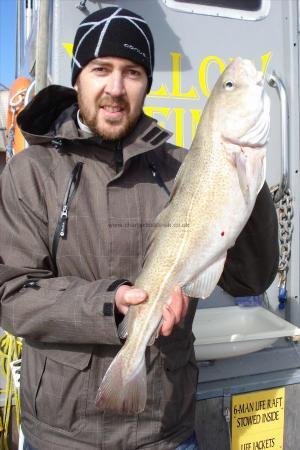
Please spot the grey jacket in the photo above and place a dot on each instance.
(73, 214)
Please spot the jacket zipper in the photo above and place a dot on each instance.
(156, 175)
(61, 228)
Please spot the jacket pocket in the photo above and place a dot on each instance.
(60, 394)
(176, 353)
(54, 284)
(179, 383)
(32, 368)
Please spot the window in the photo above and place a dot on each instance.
(235, 9)
(246, 5)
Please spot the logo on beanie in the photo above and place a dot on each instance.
(135, 49)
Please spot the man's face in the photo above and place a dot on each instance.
(111, 94)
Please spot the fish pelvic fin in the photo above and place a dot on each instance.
(123, 391)
(203, 285)
(155, 333)
(123, 327)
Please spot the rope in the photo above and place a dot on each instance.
(285, 213)
(9, 147)
(15, 103)
(17, 100)
(28, 93)
(10, 350)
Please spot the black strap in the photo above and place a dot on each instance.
(155, 172)
(119, 157)
(115, 284)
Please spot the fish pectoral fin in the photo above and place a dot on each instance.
(123, 391)
(251, 169)
(204, 284)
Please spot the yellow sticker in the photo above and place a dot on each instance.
(258, 420)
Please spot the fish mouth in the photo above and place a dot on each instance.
(257, 135)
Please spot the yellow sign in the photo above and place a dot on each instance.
(184, 119)
(258, 420)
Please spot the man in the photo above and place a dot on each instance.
(72, 241)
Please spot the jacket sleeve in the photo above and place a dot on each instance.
(35, 304)
(252, 262)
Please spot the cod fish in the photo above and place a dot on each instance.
(213, 195)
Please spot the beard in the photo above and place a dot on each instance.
(108, 129)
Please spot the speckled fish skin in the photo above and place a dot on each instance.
(212, 199)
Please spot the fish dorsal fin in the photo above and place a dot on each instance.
(203, 285)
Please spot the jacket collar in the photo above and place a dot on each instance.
(147, 136)
(51, 116)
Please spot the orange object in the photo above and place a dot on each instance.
(14, 138)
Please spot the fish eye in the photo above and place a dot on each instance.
(228, 85)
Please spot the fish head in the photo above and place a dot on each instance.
(241, 105)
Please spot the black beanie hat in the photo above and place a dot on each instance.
(113, 31)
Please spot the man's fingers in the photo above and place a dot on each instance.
(169, 320)
(127, 295)
(185, 304)
(177, 304)
(135, 296)
(173, 313)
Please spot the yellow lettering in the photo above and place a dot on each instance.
(153, 110)
(203, 72)
(179, 120)
(161, 92)
(176, 82)
(176, 79)
(196, 116)
(203, 77)
(179, 115)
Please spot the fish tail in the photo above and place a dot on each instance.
(123, 391)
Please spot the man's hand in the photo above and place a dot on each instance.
(172, 313)
(127, 296)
